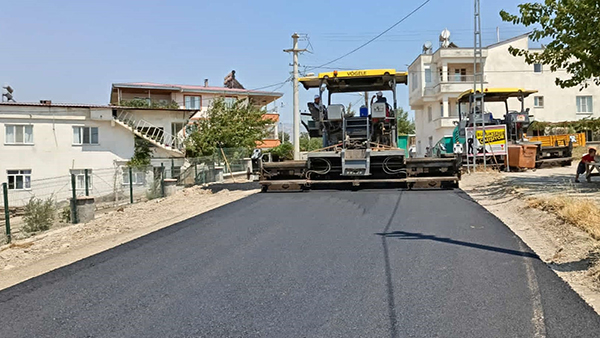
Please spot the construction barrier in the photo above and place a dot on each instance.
(553, 140)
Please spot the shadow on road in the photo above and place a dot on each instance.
(244, 186)
(419, 236)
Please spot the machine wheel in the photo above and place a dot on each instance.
(264, 188)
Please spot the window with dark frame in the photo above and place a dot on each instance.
(19, 179)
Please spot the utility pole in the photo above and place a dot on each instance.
(295, 52)
(478, 80)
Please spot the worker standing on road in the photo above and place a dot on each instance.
(585, 166)
(458, 148)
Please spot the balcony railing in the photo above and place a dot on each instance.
(461, 81)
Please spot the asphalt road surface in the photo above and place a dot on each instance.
(378, 263)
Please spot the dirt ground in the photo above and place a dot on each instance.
(46, 251)
(570, 251)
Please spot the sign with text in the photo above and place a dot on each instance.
(495, 140)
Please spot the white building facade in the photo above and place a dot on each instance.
(437, 79)
(43, 144)
(199, 98)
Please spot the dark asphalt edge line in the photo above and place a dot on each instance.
(388, 273)
(56, 275)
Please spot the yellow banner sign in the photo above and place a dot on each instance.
(492, 136)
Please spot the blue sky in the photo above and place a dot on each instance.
(71, 51)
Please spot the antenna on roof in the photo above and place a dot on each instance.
(427, 47)
(8, 94)
(445, 38)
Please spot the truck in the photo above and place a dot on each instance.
(358, 148)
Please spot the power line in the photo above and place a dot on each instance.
(376, 37)
(275, 84)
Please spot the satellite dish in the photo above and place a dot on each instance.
(445, 38)
(427, 47)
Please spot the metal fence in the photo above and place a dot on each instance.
(114, 186)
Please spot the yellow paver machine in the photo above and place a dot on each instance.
(358, 148)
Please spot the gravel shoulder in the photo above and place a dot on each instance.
(46, 251)
(569, 251)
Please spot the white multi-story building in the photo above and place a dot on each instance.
(437, 79)
(44, 143)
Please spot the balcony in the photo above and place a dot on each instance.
(455, 84)
(445, 122)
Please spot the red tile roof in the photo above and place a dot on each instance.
(179, 87)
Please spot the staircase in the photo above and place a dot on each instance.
(151, 133)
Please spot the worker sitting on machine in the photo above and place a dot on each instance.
(317, 109)
(381, 99)
(319, 113)
(586, 165)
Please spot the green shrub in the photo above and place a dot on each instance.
(284, 151)
(39, 214)
(65, 214)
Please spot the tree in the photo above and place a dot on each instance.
(284, 151)
(405, 125)
(309, 144)
(574, 27)
(142, 153)
(237, 125)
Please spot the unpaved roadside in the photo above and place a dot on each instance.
(569, 251)
(44, 252)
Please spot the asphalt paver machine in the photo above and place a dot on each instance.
(517, 123)
(358, 148)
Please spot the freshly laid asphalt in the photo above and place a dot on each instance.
(369, 263)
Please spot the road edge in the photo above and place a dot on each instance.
(533, 238)
(62, 259)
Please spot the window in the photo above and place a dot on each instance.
(429, 115)
(427, 75)
(538, 102)
(139, 176)
(537, 67)
(19, 179)
(442, 109)
(193, 102)
(80, 178)
(585, 105)
(85, 135)
(176, 127)
(18, 134)
(460, 75)
(415, 81)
